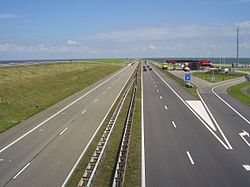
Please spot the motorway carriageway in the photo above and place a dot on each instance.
(181, 149)
(44, 149)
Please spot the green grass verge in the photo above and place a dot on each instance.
(25, 87)
(235, 92)
(133, 171)
(243, 69)
(218, 76)
(179, 81)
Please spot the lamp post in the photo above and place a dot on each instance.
(238, 60)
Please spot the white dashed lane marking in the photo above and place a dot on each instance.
(173, 123)
(84, 111)
(63, 131)
(247, 167)
(190, 157)
(21, 171)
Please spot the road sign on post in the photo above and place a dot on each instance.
(187, 76)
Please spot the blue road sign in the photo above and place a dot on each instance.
(187, 76)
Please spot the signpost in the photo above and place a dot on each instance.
(187, 80)
(187, 76)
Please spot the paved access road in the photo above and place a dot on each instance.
(43, 150)
(181, 149)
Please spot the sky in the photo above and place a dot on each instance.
(71, 29)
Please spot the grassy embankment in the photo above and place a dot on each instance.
(177, 79)
(235, 92)
(218, 76)
(108, 61)
(25, 87)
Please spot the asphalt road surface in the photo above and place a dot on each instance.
(43, 150)
(180, 149)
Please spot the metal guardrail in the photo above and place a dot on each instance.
(121, 165)
(96, 158)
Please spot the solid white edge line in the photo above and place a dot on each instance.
(191, 110)
(173, 123)
(246, 120)
(217, 125)
(63, 131)
(15, 141)
(79, 159)
(143, 174)
(21, 171)
(190, 158)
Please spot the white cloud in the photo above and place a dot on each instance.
(244, 24)
(162, 33)
(171, 40)
(227, 1)
(72, 42)
(244, 1)
(49, 48)
(151, 46)
(8, 16)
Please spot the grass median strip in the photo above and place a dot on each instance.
(133, 171)
(26, 90)
(105, 171)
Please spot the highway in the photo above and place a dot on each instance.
(44, 149)
(185, 147)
